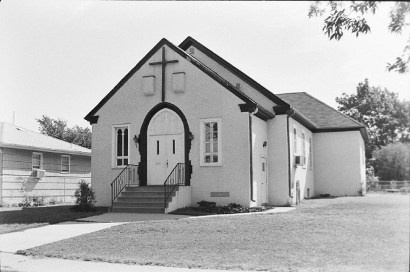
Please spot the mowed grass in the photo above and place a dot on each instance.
(368, 233)
(17, 219)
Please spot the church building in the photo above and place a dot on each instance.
(184, 125)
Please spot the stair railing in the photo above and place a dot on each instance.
(128, 176)
(174, 179)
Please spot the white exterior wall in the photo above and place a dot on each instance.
(233, 79)
(338, 163)
(259, 136)
(278, 161)
(203, 98)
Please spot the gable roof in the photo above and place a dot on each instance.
(322, 117)
(92, 118)
(17, 137)
(189, 41)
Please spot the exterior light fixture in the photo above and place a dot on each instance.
(190, 136)
(135, 140)
(265, 143)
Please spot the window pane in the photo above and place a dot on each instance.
(215, 136)
(126, 142)
(207, 159)
(207, 127)
(125, 161)
(119, 142)
(36, 161)
(119, 162)
(207, 147)
(215, 158)
(215, 127)
(207, 137)
(215, 147)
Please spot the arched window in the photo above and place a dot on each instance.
(121, 146)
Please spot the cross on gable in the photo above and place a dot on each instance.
(163, 62)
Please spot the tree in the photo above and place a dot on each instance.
(392, 162)
(58, 129)
(338, 20)
(386, 117)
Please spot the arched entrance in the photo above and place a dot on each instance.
(165, 137)
(164, 141)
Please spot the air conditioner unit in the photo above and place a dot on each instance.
(298, 160)
(38, 173)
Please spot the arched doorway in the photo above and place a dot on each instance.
(165, 139)
(156, 138)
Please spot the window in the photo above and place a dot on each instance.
(303, 149)
(310, 153)
(121, 146)
(211, 142)
(295, 144)
(37, 160)
(65, 164)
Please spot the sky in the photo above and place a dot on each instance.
(60, 58)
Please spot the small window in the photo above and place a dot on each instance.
(121, 146)
(37, 160)
(211, 142)
(65, 164)
(295, 144)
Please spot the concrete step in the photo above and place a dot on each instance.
(143, 194)
(138, 205)
(138, 210)
(141, 199)
(153, 188)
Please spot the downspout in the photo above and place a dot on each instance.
(251, 151)
(289, 113)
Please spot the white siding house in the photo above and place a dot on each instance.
(33, 165)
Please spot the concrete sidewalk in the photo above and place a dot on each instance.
(10, 243)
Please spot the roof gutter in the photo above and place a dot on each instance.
(44, 149)
(251, 152)
(290, 113)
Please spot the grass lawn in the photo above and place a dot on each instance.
(16, 219)
(368, 233)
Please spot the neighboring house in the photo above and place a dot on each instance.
(33, 165)
(186, 116)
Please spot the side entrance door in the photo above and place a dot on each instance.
(165, 143)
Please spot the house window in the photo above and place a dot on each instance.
(37, 160)
(121, 146)
(303, 149)
(65, 164)
(210, 150)
(310, 153)
(295, 144)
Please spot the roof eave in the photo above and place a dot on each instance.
(44, 149)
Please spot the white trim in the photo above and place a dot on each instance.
(69, 164)
(202, 141)
(41, 160)
(114, 146)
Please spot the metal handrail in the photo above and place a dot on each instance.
(174, 179)
(128, 176)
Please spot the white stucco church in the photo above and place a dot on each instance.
(184, 125)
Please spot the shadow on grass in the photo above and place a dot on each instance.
(48, 214)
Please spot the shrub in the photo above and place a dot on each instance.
(84, 195)
(392, 162)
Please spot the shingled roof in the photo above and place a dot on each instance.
(17, 137)
(322, 116)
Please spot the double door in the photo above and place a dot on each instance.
(166, 151)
